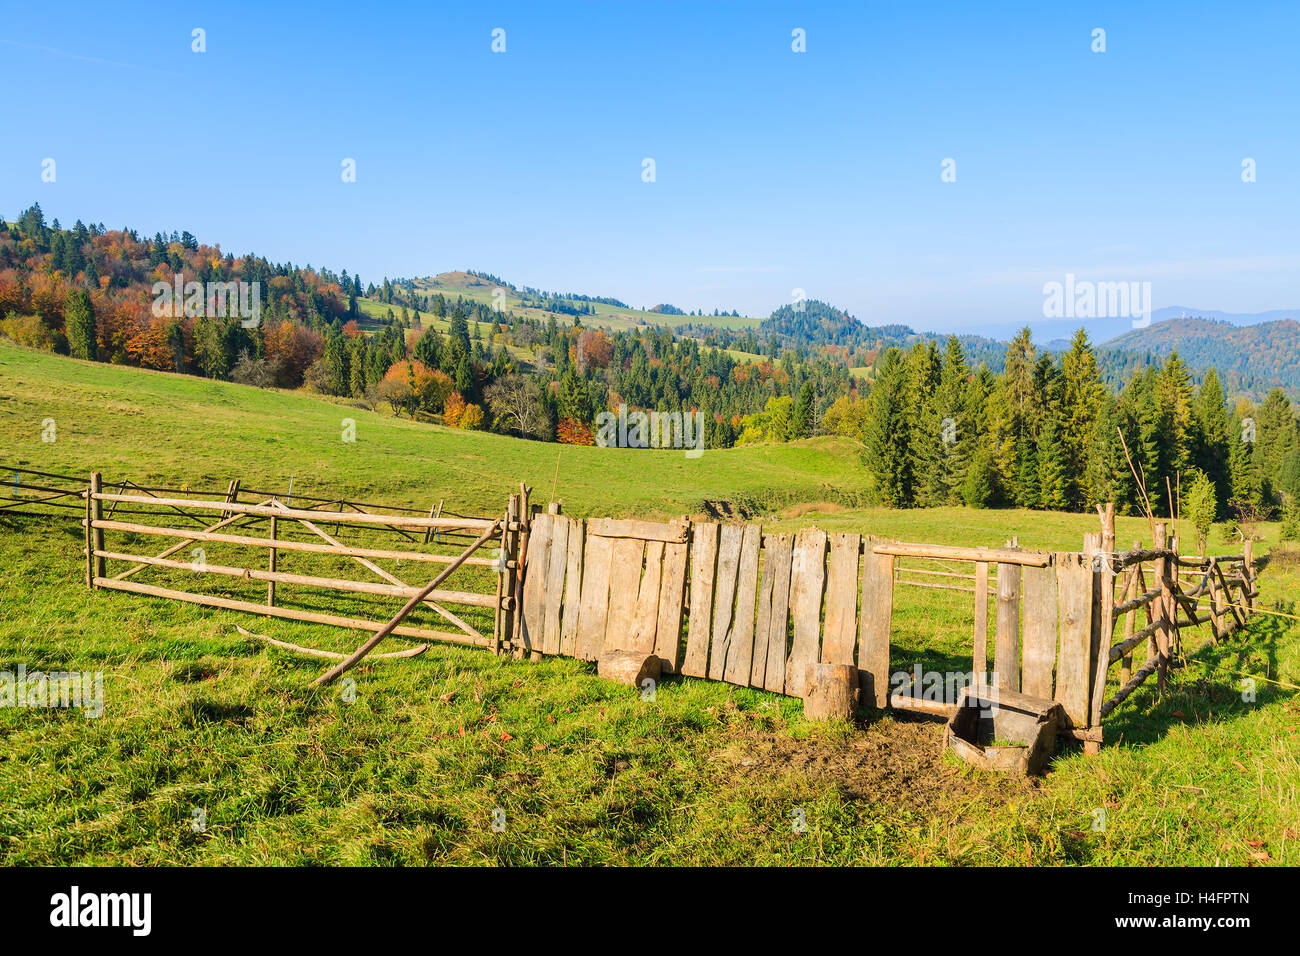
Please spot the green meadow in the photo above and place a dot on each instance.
(212, 749)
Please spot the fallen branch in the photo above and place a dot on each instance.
(331, 655)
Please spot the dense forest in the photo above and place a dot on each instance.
(961, 420)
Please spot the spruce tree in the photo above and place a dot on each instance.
(79, 325)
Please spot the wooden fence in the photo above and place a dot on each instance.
(726, 602)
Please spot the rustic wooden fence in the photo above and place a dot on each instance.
(726, 602)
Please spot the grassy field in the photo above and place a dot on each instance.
(201, 723)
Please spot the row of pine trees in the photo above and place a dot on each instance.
(1048, 434)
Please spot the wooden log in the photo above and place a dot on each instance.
(89, 544)
(189, 536)
(1103, 616)
(830, 690)
(1134, 682)
(271, 562)
(874, 628)
(840, 637)
(980, 636)
(1040, 631)
(553, 587)
(471, 598)
(572, 588)
(96, 532)
(673, 532)
(595, 597)
(1074, 599)
(704, 557)
(807, 581)
(342, 517)
(1164, 636)
(518, 647)
(1037, 559)
(1248, 573)
(740, 640)
(768, 670)
(668, 625)
(287, 613)
(628, 667)
(1006, 647)
(724, 595)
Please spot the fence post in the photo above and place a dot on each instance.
(1166, 598)
(1130, 619)
(1248, 574)
(1104, 619)
(270, 565)
(95, 566)
(504, 621)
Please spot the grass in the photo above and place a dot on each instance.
(409, 763)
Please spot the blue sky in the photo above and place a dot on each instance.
(775, 170)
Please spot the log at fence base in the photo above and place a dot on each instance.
(629, 667)
(830, 691)
(335, 673)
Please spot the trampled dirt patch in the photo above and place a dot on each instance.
(899, 762)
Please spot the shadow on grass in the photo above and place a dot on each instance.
(1207, 686)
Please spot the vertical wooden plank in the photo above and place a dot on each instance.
(270, 564)
(1103, 618)
(595, 598)
(572, 588)
(841, 633)
(553, 586)
(1074, 598)
(668, 626)
(624, 587)
(807, 581)
(1040, 631)
(740, 645)
(539, 538)
(775, 612)
(645, 614)
(724, 596)
(980, 634)
(704, 559)
(1006, 640)
(873, 631)
(90, 537)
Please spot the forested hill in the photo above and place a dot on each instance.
(1250, 359)
(814, 324)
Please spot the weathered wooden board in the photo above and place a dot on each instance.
(740, 646)
(873, 633)
(807, 580)
(595, 597)
(572, 588)
(537, 555)
(840, 638)
(1040, 612)
(624, 587)
(724, 596)
(704, 560)
(645, 616)
(774, 614)
(668, 627)
(980, 631)
(1006, 641)
(673, 531)
(553, 588)
(1074, 598)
